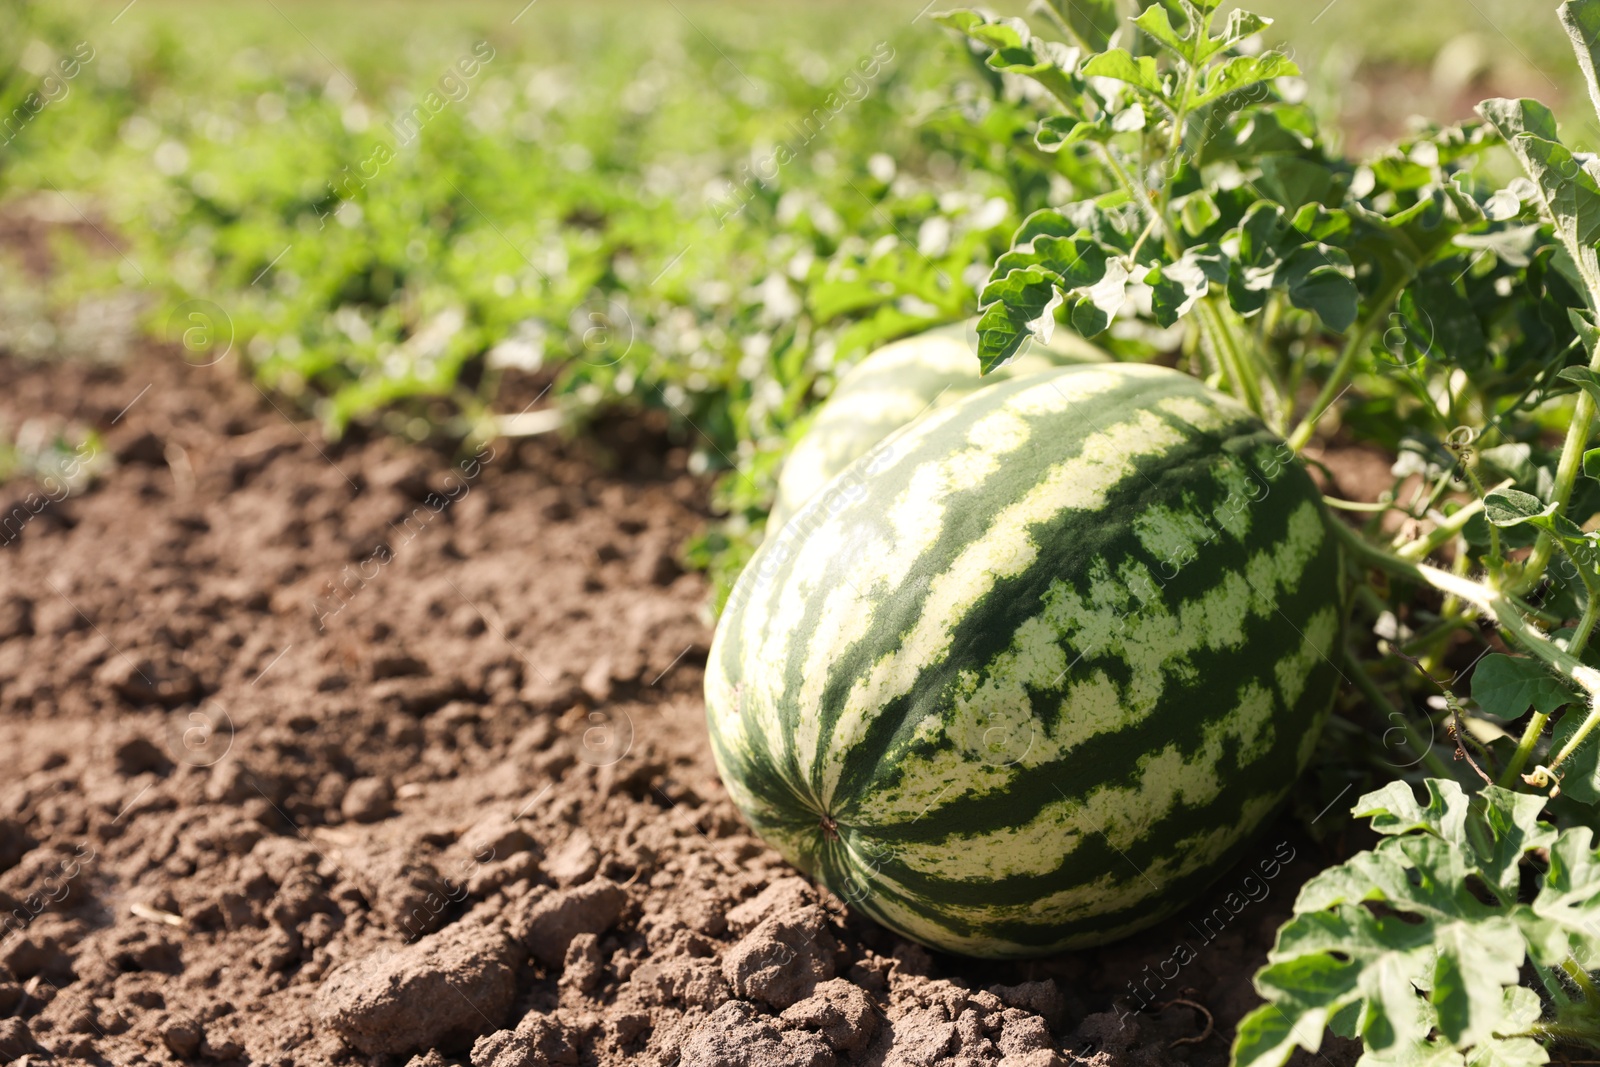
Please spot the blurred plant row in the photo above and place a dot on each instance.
(709, 216)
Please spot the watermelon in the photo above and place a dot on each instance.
(1060, 650)
(894, 385)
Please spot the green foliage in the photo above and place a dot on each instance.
(1304, 232)
(664, 222)
(1418, 945)
(1505, 687)
(1438, 312)
(595, 211)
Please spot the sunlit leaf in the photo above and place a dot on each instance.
(1155, 22)
(1241, 72)
(1240, 24)
(1177, 287)
(1022, 306)
(1568, 190)
(1513, 507)
(1059, 131)
(1142, 73)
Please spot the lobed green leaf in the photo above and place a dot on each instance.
(1241, 72)
(1568, 190)
(1431, 976)
(1513, 507)
(1177, 287)
(1062, 131)
(1156, 23)
(1143, 73)
(1505, 687)
(1240, 25)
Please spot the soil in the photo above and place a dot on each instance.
(368, 754)
(1380, 102)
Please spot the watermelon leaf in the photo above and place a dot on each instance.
(1241, 24)
(1015, 50)
(1241, 72)
(1273, 256)
(1397, 947)
(1177, 287)
(1321, 279)
(1584, 379)
(1513, 507)
(1568, 189)
(1157, 24)
(1060, 131)
(1041, 273)
(1506, 686)
(1025, 302)
(1142, 73)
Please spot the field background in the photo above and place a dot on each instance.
(244, 370)
(572, 210)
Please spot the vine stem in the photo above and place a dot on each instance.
(1580, 636)
(1492, 602)
(1496, 557)
(1334, 386)
(1582, 980)
(1503, 609)
(1590, 721)
(1356, 505)
(1582, 1034)
(1519, 758)
(1213, 324)
(1149, 228)
(1566, 477)
(1539, 560)
(1180, 115)
(1423, 547)
(1588, 264)
(1245, 385)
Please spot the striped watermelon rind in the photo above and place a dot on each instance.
(892, 386)
(1060, 649)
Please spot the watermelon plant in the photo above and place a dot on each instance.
(952, 707)
(1461, 312)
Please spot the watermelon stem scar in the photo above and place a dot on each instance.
(830, 829)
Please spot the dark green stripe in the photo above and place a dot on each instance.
(1054, 438)
(1184, 711)
(1272, 772)
(1071, 544)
